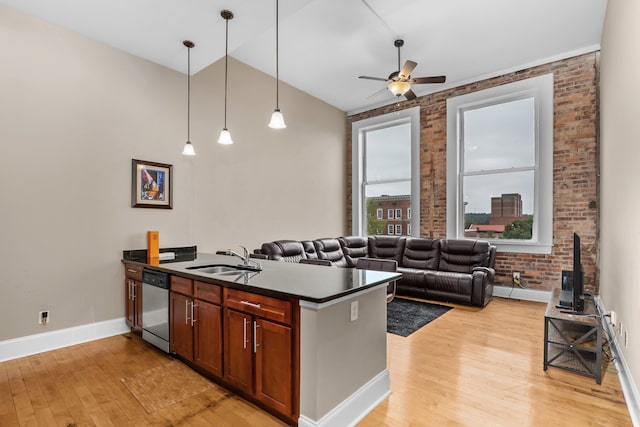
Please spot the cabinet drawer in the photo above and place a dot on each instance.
(132, 271)
(182, 285)
(207, 292)
(259, 305)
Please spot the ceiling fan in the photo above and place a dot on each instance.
(400, 81)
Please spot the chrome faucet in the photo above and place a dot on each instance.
(247, 262)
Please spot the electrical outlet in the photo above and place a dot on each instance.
(43, 317)
(613, 318)
(516, 278)
(626, 339)
(354, 311)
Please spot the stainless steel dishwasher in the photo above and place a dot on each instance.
(155, 308)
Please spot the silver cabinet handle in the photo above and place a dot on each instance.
(130, 270)
(244, 331)
(251, 304)
(255, 336)
(193, 316)
(186, 312)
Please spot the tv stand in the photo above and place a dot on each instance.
(573, 340)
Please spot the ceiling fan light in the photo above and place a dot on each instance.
(225, 137)
(277, 120)
(399, 88)
(188, 149)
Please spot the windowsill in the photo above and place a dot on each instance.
(523, 248)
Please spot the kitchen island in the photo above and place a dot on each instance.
(305, 342)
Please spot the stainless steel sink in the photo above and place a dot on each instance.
(221, 268)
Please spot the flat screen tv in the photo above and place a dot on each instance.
(578, 277)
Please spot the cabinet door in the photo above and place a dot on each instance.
(130, 306)
(181, 331)
(207, 339)
(274, 385)
(238, 369)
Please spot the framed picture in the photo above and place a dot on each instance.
(151, 185)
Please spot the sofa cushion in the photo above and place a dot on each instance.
(461, 256)
(309, 249)
(354, 247)
(444, 284)
(330, 249)
(284, 250)
(421, 253)
(390, 247)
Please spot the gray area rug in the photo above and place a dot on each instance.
(407, 316)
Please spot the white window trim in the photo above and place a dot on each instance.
(410, 115)
(398, 213)
(379, 213)
(389, 213)
(398, 229)
(390, 229)
(541, 88)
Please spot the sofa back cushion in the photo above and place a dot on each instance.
(461, 256)
(284, 250)
(330, 249)
(388, 247)
(309, 249)
(421, 253)
(354, 247)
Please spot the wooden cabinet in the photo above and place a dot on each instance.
(258, 351)
(133, 294)
(195, 319)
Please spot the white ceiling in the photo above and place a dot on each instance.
(326, 44)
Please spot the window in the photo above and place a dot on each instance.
(500, 165)
(379, 213)
(390, 229)
(409, 214)
(398, 213)
(409, 229)
(386, 168)
(399, 229)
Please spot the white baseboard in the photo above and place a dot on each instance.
(353, 409)
(38, 343)
(521, 293)
(629, 389)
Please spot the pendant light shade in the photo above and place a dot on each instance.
(225, 135)
(277, 119)
(188, 149)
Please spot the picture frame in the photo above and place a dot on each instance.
(151, 184)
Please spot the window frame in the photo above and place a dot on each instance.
(541, 89)
(398, 229)
(390, 229)
(379, 213)
(358, 132)
(389, 213)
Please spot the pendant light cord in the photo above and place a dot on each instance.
(277, 61)
(226, 60)
(188, 94)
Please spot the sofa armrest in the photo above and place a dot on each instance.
(490, 272)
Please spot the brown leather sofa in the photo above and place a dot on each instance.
(459, 271)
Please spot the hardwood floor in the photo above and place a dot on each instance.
(470, 367)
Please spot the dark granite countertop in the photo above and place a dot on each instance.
(317, 284)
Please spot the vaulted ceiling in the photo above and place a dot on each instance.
(326, 44)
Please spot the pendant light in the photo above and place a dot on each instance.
(277, 119)
(188, 149)
(225, 136)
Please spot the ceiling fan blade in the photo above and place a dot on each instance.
(373, 78)
(434, 79)
(407, 68)
(380, 92)
(410, 95)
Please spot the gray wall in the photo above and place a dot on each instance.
(74, 112)
(620, 174)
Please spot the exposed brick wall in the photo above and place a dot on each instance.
(575, 188)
